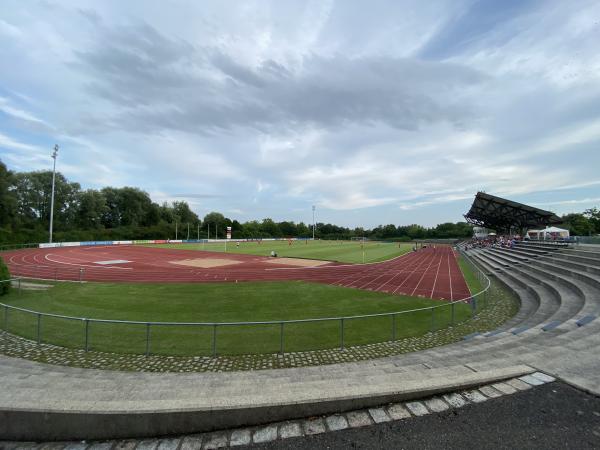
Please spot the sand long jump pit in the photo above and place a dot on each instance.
(298, 262)
(206, 263)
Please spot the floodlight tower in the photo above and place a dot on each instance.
(54, 154)
(313, 209)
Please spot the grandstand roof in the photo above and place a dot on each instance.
(501, 214)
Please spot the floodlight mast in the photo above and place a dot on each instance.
(54, 154)
(313, 209)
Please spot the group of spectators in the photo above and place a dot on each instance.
(506, 241)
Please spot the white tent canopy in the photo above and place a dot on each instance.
(555, 230)
(549, 233)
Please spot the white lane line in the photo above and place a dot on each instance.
(422, 276)
(450, 277)
(85, 265)
(417, 267)
(436, 278)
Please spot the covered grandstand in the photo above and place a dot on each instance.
(507, 216)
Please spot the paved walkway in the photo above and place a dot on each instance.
(547, 417)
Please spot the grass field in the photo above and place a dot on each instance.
(470, 277)
(218, 302)
(342, 251)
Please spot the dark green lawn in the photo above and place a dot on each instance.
(218, 302)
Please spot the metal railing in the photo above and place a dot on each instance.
(31, 324)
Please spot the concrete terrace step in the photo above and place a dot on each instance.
(142, 405)
(588, 262)
(544, 244)
(529, 302)
(532, 250)
(584, 267)
(510, 259)
(576, 275)
(548, 299)
(492, 261)
(579, 252)
(517, 253)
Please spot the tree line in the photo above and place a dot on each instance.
(129, 213)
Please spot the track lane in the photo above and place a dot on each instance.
(431, 273)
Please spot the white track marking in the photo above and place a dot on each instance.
(436, 278)
(421, 279)
(343, 265)
(418, 266)
(47, 257)
(450, 278)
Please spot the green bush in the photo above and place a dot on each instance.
(4, 275)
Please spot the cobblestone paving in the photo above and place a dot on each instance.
(284, 430)
(497, 312)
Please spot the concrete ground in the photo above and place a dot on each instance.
(552, 416)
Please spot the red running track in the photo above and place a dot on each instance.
(431, 273)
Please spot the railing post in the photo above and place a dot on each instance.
(281, 338)
(80, 274)
(341, 334)
(452, 313)
(432, 319)
(214, 341)
(87, 335)
(147, 339)
(473, 306)
(393, 327)
(56, 274)
(39, 328)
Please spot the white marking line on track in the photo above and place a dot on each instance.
(422, 276)
(114, 261)
(387, 272)
(47, 257)
(450, 277)
(420, 261)
(343, 265)
(436, 278)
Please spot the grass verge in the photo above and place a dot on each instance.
(218, 302)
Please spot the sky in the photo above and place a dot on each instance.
(375, 112)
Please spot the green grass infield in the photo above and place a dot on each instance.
(219, 302)
(342, 251)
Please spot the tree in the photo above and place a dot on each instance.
(166, 213)
(8, 200)
(288, 229)
(577, 224)
(302, 230)
(183, 212)
(134, 205)
(269, 228)
(92, 207)
(593, 215)
(416, 231)
(216, 221)
(4, 275)
(252, 229)
(389, 231)
(33, 192)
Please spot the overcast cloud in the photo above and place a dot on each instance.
(376, 112)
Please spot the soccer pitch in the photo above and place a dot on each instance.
(341, 251)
